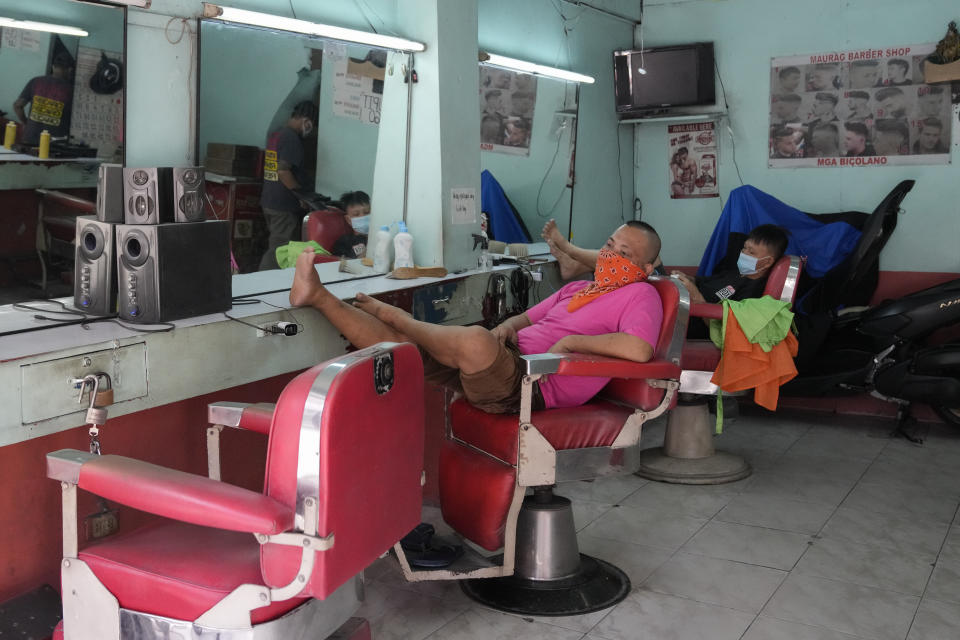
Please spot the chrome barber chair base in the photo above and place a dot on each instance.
(719, 468)
(597, 585)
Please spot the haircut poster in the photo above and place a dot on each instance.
(693, 160)
(857, 108)
(507, 101)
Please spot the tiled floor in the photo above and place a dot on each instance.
(840, 534)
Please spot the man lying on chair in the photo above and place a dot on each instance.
(616, 315)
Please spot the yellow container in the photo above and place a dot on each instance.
(44, 145)
(10, 135)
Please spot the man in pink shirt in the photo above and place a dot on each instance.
(617, 315)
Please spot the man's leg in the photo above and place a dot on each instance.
(360, 328)
(282, 227)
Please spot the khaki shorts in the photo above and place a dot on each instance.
(496, 389)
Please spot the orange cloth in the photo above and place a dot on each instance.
(613, 271)
(744, 365)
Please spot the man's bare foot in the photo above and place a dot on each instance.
(552, 235)
(569, 268)
(307, 290)
(385, 313)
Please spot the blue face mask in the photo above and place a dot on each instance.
(747, 264)
(361, 224)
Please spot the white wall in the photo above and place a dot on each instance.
(746, 34)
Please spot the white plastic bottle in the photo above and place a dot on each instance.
(402, 247)
(381, 250)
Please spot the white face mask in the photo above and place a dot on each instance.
(361, 224)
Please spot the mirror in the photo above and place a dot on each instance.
(251, 81)
(68, 85)
(527, 140)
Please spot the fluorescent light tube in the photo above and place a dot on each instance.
(537, 69)
(42, 26)
(256, 19)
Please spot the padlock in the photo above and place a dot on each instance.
(104, 397)
(95, 415)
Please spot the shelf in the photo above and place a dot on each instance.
(711, 115)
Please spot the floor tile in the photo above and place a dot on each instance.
(866, 565)
(638, 561)
(823, 465)
(935, 621)
(844, 607)
(752, 545)
(484, 623)
(906, 535)
(766, 628)
(903, 501)
(797, 488)
(405, 615)
(786, 515)
(646, 615)
(609, 490)
(841, 444)
(642, 526)
(721, 582)
(690, 500)
(945, 581)
(586, 512)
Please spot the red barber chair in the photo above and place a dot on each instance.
(343, 483)
(688, 455)
(325, 227)
(489, 461)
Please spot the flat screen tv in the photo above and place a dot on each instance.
(676, 76)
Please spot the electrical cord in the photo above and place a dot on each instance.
(81, 318)
(547, 175)
(623, 218)
(726, 108)
(276, 329)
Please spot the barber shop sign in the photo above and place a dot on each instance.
(857, 108)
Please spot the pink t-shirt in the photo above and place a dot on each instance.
(634, 309)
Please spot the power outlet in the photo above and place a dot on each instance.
(101, 525)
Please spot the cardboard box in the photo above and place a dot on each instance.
(235, 168)
(226, 151)
(933, 73)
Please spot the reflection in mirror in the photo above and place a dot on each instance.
(288, 123)
(527, 140)
(69, 84)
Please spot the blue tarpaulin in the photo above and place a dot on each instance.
(824, 245)
(505, 225)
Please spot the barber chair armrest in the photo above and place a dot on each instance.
(242, 415)
(578, 364)
(170, 493)
(706, 310)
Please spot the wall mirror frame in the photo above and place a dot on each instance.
(248, 82)
(73, 86)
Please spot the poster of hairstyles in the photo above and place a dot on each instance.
(507, 101)
(693, 160)
(857, 108)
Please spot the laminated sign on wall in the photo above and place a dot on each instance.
(357, 87)
(693, 160)
(857, 108)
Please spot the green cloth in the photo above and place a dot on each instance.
(288, 253)
(764, 321)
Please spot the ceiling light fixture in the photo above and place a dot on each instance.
(256, 19)
(42, 26)
(537, 69)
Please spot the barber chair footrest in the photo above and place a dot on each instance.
(598, 585)
(718, 468)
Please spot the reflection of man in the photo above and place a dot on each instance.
(855, 140)
(789, 79)
(491, 130)
(859, 104)
(517, 132)
(890, 137)
(892, 103)
(493, 104)
(897, 70)
(824, 141)
(785, 143)
(50, 99)
(684, 170)
(864, 74)
(283, 176)
(931, 101)
(824, 106)
(823, 77)
(929, 140)
(521, 103)
(786, 108)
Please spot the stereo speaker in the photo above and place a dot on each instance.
(95, 279)
(173, 271)
(110, 193)
(148, 195)
(188, 194)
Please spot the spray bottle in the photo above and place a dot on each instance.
(402, 247)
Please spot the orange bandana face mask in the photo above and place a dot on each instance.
(613, 271)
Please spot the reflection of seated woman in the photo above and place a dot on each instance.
(356, 207)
